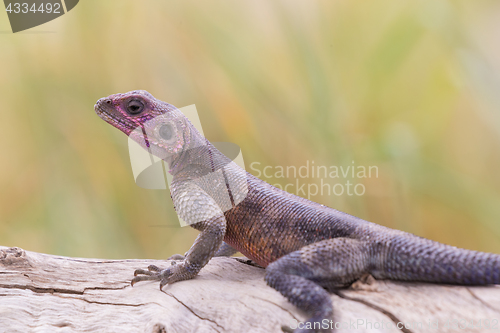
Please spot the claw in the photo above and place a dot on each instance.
(163, 282)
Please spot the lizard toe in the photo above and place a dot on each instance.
(153, 268)
(154, 277)
(153, 273)
(176, 257)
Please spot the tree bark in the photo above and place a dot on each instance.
(46, 293)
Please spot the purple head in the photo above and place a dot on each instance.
(157, 126)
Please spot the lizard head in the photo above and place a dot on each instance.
(157, 126)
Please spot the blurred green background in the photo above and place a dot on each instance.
(412, 87)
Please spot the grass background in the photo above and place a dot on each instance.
(410, 87)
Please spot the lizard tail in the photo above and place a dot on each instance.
(428, 261)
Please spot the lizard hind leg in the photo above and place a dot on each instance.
(301, 276)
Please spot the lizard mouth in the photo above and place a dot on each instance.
(133, 130)
(111, 119)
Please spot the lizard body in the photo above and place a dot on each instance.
(304, 246)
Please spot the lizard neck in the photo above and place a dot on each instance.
(198, 155)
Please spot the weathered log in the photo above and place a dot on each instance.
(46, 293)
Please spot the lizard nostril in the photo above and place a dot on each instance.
(108, 101)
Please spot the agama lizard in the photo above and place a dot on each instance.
(305, 247)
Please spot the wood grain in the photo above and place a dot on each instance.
(46, 293)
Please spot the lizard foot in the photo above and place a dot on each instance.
(176, 272)
(153, 273)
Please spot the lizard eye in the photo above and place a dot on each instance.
(166, 132)
(135, 106)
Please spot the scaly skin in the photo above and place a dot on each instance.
(304, 246)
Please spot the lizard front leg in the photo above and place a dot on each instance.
(192, 204)
(301, 276)
(203, 249)
(202, 212)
